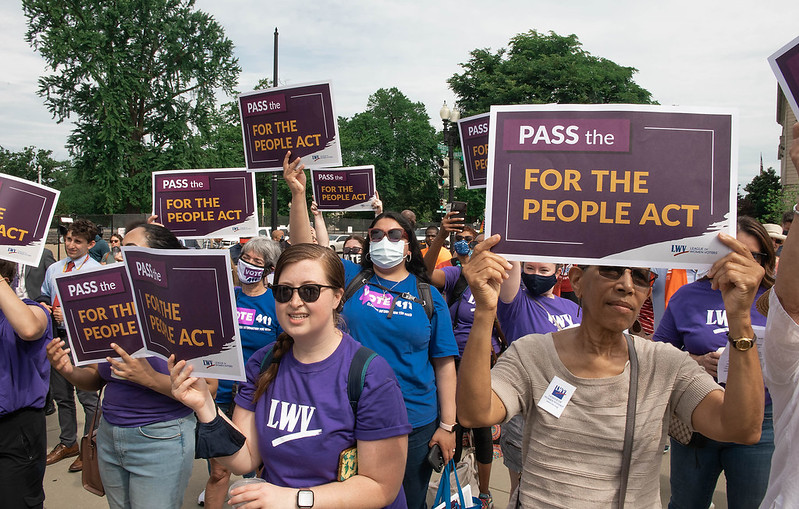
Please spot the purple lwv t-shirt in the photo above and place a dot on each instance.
(305, 420)
(527, 314)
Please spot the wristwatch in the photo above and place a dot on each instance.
(446, 427)
(742, 344)
(305, 499)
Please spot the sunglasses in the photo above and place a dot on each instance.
(308, 292)
(759, 257)
(394, 234)
(467, 238)
(642, 278)
(352, 250)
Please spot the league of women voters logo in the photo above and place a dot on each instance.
(377, 300)
(285, 417)
(559, 392)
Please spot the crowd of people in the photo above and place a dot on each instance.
(358, 366)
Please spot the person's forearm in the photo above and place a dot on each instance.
(787, 286)
(744, 397)
(299, 224)
(474, 392)
(87, 379)
(322, 237)
(431, 256)
(446, 382)
(510, 287)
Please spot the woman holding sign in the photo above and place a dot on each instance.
(145, 439)
(696, 321)
(597, 401)
(295, 414)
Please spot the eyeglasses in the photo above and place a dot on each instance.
(114, 241)
(308, 292)
(642, 278)
(467, 238)
(758, 256)
(473, 244)
(352, 250)
(249, 260)
(394, 234)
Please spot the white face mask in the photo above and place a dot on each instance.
(249, 273)
(386, 254)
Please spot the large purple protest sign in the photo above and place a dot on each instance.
(612, 184)
(206, 203)
(344, 189)
(785, 64)
(301, 119)
(186, 307)
(474, 142)
(98, 310)
(26, 210)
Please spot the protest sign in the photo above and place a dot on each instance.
(348, 189)
(206, 203)
(785, 64)
(26, 210)
(98, 310)
(474, 142)
(185, 305)
(611, 184)
(300, 118)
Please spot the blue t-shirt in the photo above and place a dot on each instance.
(24, 370)
(258, 327)
(407, 340)
(527, 314)
(304, 420)
(696, 321)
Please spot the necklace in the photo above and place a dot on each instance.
(383, 288)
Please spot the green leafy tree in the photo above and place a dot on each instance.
(139, 79)
(764, 198)
(394, 134)
(537, 68)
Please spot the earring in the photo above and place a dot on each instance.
(408, 258)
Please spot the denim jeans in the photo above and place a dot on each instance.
(147, 466)
(695, 471)
(417, 469)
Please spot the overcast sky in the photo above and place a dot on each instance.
(689, 53)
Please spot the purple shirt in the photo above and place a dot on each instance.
(535, 315)
(24, 370)
(696, 321)
(127, 404)
(305, 420)
(462, 312)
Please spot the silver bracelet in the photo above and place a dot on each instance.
(795, 210)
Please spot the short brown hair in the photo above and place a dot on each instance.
(83, 228)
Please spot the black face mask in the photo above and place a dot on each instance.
(537, 284)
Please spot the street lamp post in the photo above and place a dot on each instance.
(450, 118)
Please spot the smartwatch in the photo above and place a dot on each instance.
(305, 499)
(446, 427)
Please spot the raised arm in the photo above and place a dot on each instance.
(450, 223)
(322, 237)
(299, 225)
(736, 414)
(510, 286)
(86, 378)
(29, 322)
(787, 285)
(478, 405)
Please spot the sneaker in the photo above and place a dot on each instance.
(486, 502)
(201, 499)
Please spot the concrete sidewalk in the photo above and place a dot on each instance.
(65, 491)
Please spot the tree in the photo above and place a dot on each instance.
(140, 79)
(394, 134)
(539, 69)
(764, 198)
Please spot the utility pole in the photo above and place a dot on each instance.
(274, 173)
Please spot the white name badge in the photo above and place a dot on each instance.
(557, 396)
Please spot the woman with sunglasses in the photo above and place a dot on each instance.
(388, 315)
(696, 321)
(597, 401)
(145, 438)
(353, 249)
(115, 255)
(293, 414)
(258, 324)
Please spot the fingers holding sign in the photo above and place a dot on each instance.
(485, 272)
(737, 275)
(294, 174)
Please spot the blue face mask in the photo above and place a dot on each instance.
(461, 247)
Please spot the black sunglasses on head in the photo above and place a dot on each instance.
(307, 292)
